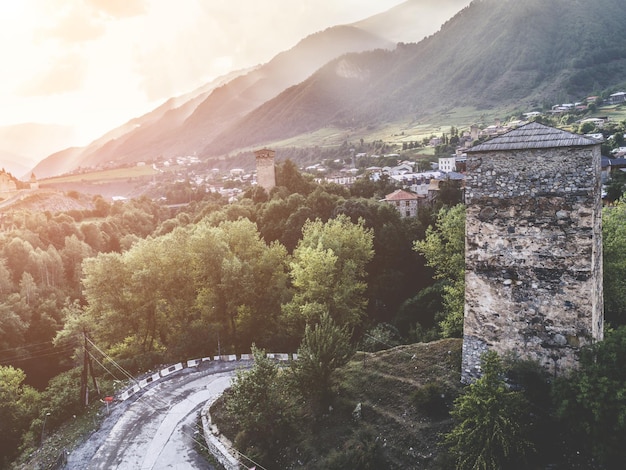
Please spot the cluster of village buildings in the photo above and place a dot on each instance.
(418, 188)
(422, 188)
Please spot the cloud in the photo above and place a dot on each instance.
(78, 24)
(81, 21)
(119, 8)
(66, 74)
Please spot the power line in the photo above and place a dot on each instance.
(24, 346)
(27, 356)
(103, 366)
(110, 359)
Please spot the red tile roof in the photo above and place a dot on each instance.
(400, 195)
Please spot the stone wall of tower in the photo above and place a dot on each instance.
(6, 183)
(533, 282)
(265, 170)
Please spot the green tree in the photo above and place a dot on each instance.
(491, 430)
(367, 188)
(260, 403)
(188, 290)
(19, 404)
(614, 262)
(72, 256)
(288, 176)
(444, 250)
(591, 403)
(274, 215)
(324, 348)
(328, 272)
(6, 283)
(614, 191)
(396, 272)
(16, 252)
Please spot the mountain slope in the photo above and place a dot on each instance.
(288, 68)
(412, 20)
(493, 52)
(186, 125)
(139, 134)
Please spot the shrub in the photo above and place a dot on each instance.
(361, 451)
(491, 428)
(433, 399)
(382, 336)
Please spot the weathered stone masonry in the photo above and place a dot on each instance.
(533, 282)
(265, 170)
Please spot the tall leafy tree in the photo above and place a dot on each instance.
(324, 348)
(193, 286)
(253, 279)
(614, 263)
(444, 250)
(328, 272)
(260, 403)
(19, 404)
(288, 176)
(591, 403)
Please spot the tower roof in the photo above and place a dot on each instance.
(264, 152)
(533, 136)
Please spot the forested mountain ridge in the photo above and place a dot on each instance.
(520, 54)
(505, 54)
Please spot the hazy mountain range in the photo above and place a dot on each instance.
(22, 146)
(171, 130)
(520, 53)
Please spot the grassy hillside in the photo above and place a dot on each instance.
(397, 423)
(494, 53)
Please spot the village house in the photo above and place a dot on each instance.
(615, 98)
(447, 164)
(406, 203)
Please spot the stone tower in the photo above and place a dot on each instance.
(533, 279)
(265, 171)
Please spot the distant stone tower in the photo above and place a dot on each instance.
(265, 171)
(34, 184)
(533, 280)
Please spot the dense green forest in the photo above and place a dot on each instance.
(318, 269)
(151, 286)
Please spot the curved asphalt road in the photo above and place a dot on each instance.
(156, 430)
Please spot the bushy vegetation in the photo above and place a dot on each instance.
(492, 429)
(311, 268)
(151, 285)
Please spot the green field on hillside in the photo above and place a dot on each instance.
(103, 176)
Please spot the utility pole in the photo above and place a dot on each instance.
(93, 376)
(84, 389)
(87, 370)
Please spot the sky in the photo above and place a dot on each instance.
(95, 64)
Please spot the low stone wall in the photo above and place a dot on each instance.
(215, 446)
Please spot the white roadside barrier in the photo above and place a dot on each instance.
(155, 377)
